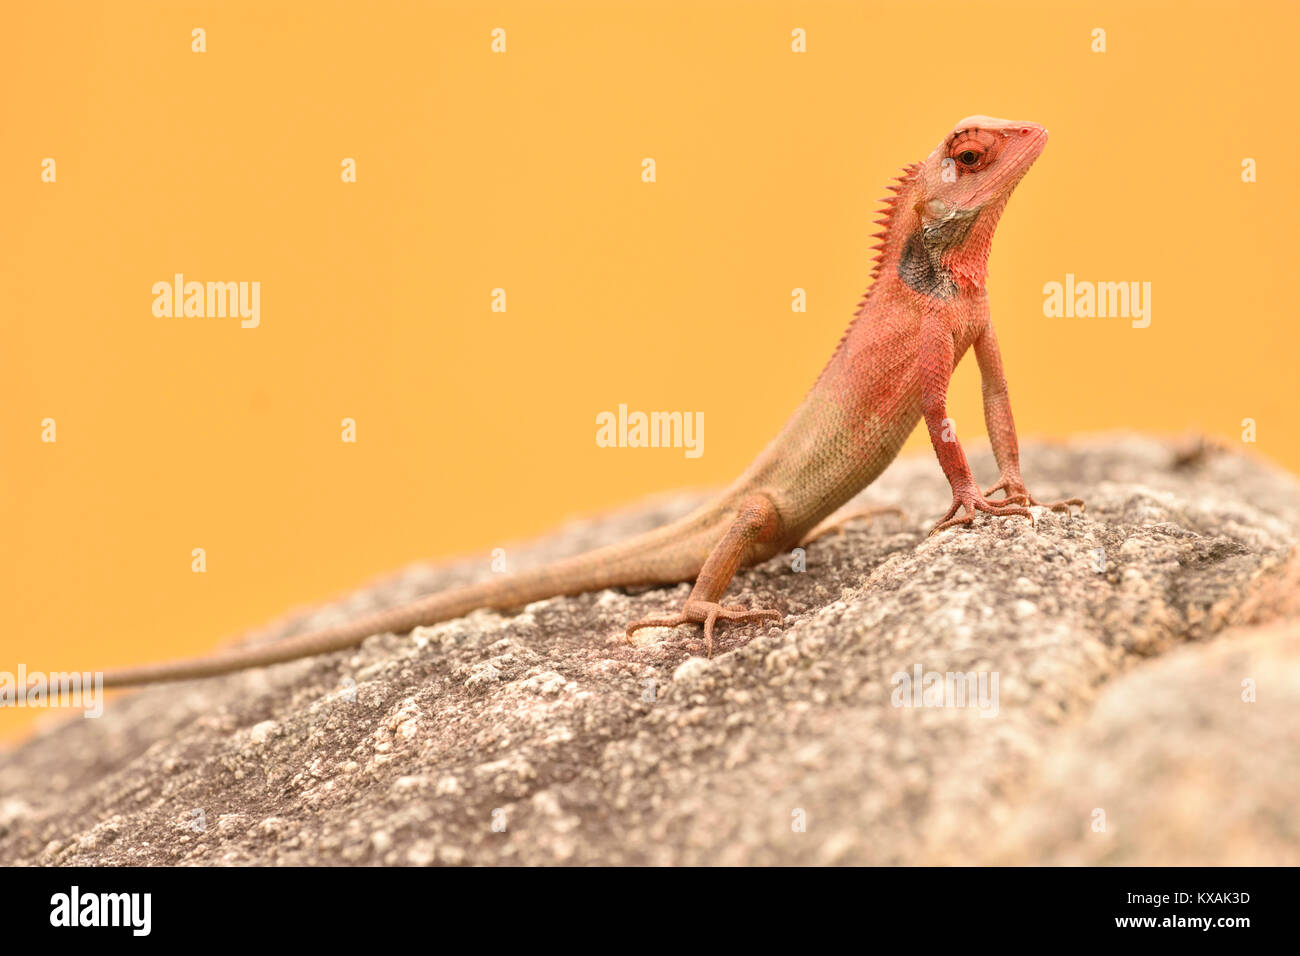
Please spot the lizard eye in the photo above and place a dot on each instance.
(969, 151)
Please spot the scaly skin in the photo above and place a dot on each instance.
(926, 307)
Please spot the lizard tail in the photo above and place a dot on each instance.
(619, 565)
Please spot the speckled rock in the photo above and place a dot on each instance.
(1116, 687)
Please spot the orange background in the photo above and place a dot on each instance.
(522, 170)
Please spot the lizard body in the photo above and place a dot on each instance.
(925, 308)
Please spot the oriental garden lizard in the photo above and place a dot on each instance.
(924, 308)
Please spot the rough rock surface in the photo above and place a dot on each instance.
(1147, 706)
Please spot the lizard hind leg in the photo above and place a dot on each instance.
(707, 613)
(756, 521)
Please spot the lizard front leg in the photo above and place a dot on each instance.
(938, 358)
(1002, 428)
(756, 521)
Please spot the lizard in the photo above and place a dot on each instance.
(925, 307)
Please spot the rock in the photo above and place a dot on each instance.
(1189, 759)
(1121, 686)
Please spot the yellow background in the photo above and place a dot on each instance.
(522, 171)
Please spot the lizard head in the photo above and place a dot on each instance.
(978, 165)
(957, 195)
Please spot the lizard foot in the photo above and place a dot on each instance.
(706, 613)
(1017, 494)
(973, 501)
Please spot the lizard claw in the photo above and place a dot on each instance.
(1016, 493)
(973, 501)
(707, 613)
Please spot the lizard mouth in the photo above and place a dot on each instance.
(1022, 148)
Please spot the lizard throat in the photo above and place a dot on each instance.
(927, 262)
